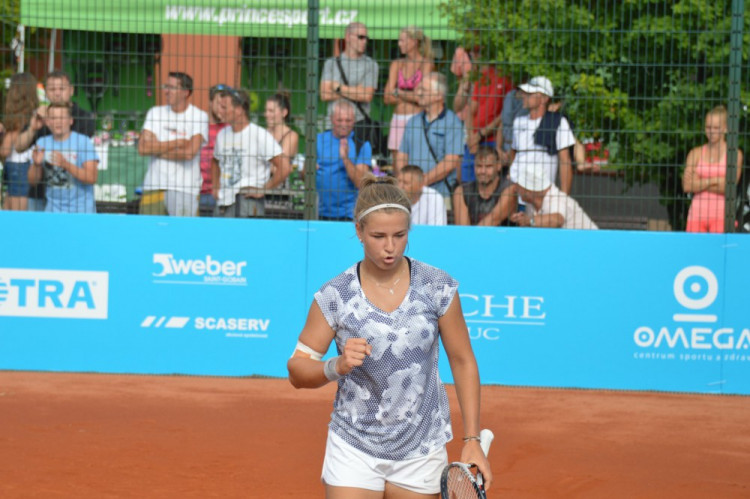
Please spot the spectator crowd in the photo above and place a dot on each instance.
(497, 154)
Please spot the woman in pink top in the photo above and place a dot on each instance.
(403, 77)
(705, 176)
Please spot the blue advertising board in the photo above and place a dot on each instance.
(555, 308)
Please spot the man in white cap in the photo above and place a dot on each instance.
(546, 205)
(541, 138)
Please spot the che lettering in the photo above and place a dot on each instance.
(514, 307)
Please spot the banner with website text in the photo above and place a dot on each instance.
(555, 308)
(252, 18)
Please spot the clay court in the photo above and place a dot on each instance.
(94, 435)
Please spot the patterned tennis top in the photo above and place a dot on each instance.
(394, 406)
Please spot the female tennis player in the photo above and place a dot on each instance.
(391, 419)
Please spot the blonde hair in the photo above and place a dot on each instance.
(380, 190)
(719, 111)
(424, 42)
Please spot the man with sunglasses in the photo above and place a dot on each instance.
(172, 136)
(360, 75)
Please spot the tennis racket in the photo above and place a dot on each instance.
(458, 481)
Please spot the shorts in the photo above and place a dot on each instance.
(396, 132)
(172, 203)
(713, 225)
(17, 177)
(207, 205)
(345, 466)
(242, 208)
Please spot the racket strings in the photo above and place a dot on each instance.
(461, 484)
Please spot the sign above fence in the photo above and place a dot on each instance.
(251, 18)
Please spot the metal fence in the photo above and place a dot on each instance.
(634, 78)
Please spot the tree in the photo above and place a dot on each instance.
(637, 74)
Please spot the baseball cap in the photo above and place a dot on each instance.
(534, 178)
(538, 84)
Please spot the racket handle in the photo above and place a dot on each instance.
(485, 440)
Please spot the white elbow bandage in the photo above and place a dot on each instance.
(307, 352)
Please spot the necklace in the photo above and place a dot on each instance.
(385, 286)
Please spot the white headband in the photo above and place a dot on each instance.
(382, 207)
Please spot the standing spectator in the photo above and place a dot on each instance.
(433, 138)
(484, 114)
(487, 200)
(541, 138)
(67, 162)
(403, 77)
(243, 158)
(21, 106)
(427, 205)
(352, 76)
(278, 117)
(59, 90)
(546, 205)
(173, 136)
(705, 176)
(461, 66)
(342, 162)
(207, 203)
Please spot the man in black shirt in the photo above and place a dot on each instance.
(490, 198)
(59, 90)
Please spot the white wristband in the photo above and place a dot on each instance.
(329, 369)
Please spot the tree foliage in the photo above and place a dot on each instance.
(637, 74)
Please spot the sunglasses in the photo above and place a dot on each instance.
(220, 88)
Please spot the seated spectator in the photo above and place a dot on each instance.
(427, 204)
(488, 200)
(546, 205)
(66, 162)
(342, 162)
(433, 139)
(243, 157)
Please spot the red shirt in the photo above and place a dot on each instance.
(207, 154)
(488, 93)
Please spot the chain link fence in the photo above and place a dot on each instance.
(635, 80)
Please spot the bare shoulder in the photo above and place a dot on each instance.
(694, 154)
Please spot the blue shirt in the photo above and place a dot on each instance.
(65, 193)
(446, 137)
(337, 194)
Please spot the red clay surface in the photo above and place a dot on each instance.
(91, 435)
